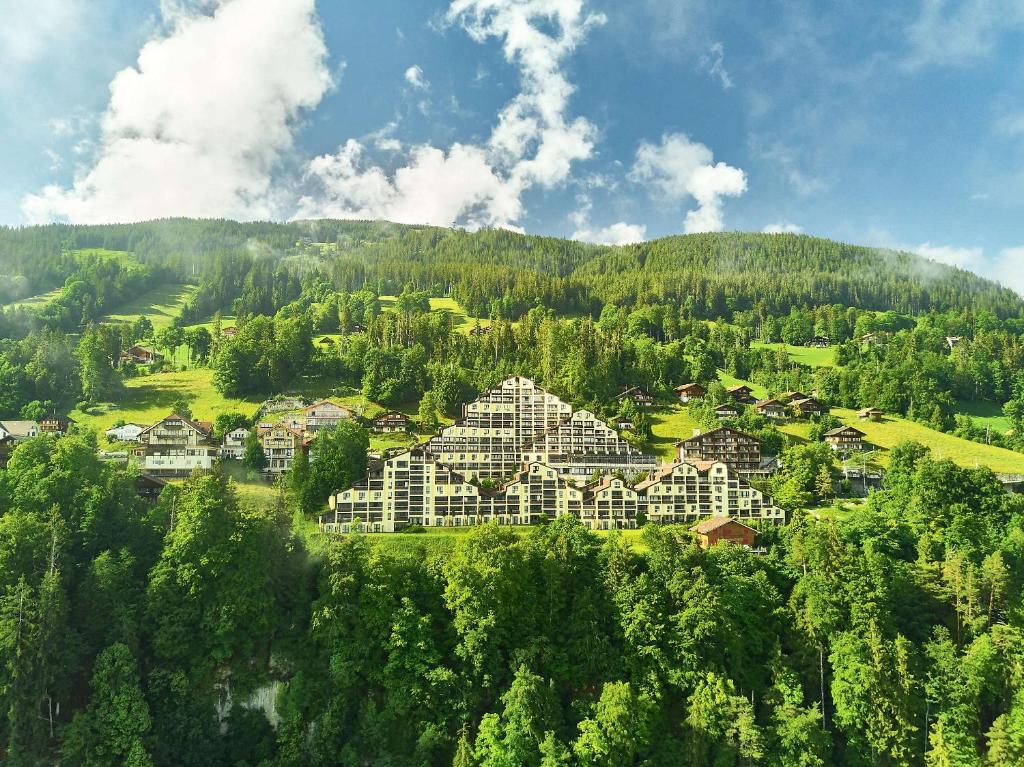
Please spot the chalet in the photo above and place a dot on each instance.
(690, 392)
(640, 396)
(871, 414)
(845, 439)
(176, 446)
(281, 443)
(140, 355)
(730, 446)
(772, 408)
(742, 394)
(53, 424)
(232, 446)
(326, 414)
(390, 423)
(808, 407)
(819, 342)
(148, 488)
(19, 431)
(727, 411)
(789, 397)
(127, 432)
(712, 531)
(229, 332)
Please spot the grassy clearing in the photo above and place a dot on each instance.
(161, 305)
(462, 321)
(815, 358)
(147, 399)
(35, 301)
(986, 414)
(670, 426)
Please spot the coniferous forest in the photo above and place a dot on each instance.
(203, 629)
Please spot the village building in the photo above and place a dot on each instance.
(148, 488)
(772, 408)
(871, 414)
(742, 394)
(845, 439)
(326, 415)
(55, 425)
(519, 422)
(280, 444)
(690, 392)
(640, 396)
(18, 431)
(724, 444)
(789, 397)
(326, 343)
(711, 531)
(808, 407)
(480, 330)
(232, 445)
(625, 424)
(390, 423)
(229, 332)
(140, 355)
(127, 432)
(819, 342)
(414, 488)
(722, 412)
(176, 446)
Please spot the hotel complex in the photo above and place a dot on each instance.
(550, 461)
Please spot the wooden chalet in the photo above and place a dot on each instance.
(808, 407)
(772, 408)
(140, 355)
(725, 445)
(717, 529)
(871, 414)
(640, 396)
(727, 411)
(819, 342)
(390, 423)
(54, 424)
(229, 332)
(845, 439)
(690, 392)
(742, 394)
(789, 397)
(148, 488)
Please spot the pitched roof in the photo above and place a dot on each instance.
(841, 429)
(717, 429)
(708, 525)
(18, 428)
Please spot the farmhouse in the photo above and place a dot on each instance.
(229, 332)
(326, 414)
(723, 412)
(742, 394)
(772, 408)
(711, 531)
(789, 397)
(640, 396)
(845, 439)
(390, 423)
(19, 431)
(808, 407)
(690, 392)
(54, 424)
(176, 445)
(140, 355)
(726, 445)
(128, 432)
(871, 414)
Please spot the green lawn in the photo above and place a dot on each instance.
(986, 414)
(815, 358)
(462, 321)
(161, 305)
(671, 426)
(147, 399)
(35, 301)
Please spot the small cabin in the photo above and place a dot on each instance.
(140, 355)
(871, 414)
(809, 407)
(690, 392)
(819, 342)
(772, 408)
(719, 529)
(845, 439)
(640, 396)
(742, 394)
(727, 411)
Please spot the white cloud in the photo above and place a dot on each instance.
(534, 142)
(960, 32)
(414, 76)
(619, 233)
(199, 125)
(678, 169)
(714, 62)
(787, 164)
(31, 27)
(1009, 268)
(783, 227)
(972, 258)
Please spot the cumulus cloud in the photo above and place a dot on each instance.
(619, 233)
(533, 144)
(678, 169)
(972, 258)
(29, 28)
(783, 227)
(199, 125)
(414, 76)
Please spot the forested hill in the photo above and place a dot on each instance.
(503, 273)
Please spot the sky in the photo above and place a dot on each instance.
(887, 124)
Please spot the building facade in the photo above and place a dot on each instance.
(727, 445)
(280, 443)
(232, 446)
(326, 415)
(176, 446)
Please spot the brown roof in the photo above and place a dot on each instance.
(837, 431)
(689, 386)
(717, 429)
(708, 525)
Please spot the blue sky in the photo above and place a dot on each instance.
(891, 124)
